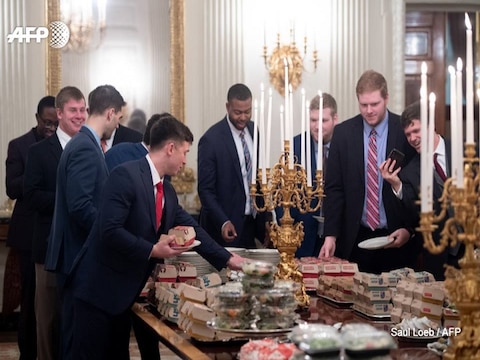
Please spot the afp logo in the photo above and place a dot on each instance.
(57, 32)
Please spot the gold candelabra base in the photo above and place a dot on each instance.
(287, 187)
(286, 239)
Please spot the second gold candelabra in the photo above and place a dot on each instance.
(463, 286)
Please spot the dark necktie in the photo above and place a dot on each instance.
(438, 168)
(246, 153)
(373, 214)
(325, 160)
(159, 203)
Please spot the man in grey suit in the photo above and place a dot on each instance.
(81, 175)
(352, 165)
(40, 183)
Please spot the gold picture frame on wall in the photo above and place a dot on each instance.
(53, 69)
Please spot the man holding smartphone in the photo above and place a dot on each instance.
(405, 185)
(357, 205)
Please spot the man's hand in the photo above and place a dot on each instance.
(390, 175)
(328, 248)
(399, 238)
(162, 248)
(235, 262)
(228, 232)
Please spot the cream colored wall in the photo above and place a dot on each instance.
(22, 74)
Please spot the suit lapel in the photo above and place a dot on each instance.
(55, 147)
(146, 177)
(232, 149)
(357, 145)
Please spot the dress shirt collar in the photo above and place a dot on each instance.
(63, 137)
(155, 175)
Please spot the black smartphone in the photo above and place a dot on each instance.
(398, 156)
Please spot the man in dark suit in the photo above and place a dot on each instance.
(128, 239)
(132, 151)
(357, 205)
(122, 134)
(20, 230)
(406, 185)
(40, 184)
(224, 176)
(81, 175)
(313, 231)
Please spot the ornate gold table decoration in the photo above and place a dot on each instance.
(463, 226)
(286, 187)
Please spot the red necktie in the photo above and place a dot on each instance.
(438, 168)
(373, 214)
(158, 203)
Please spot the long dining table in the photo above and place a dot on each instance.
(319, 311)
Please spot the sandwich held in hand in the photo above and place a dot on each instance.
(184, 236)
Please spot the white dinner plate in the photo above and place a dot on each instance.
(375, 243)
(192, 245)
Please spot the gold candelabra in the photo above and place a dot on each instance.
(275, 65)
(287, 187)
(463, 286)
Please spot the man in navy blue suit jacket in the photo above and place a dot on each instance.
(81, 175)
(223, 181)
(125, 243)
(128, 151)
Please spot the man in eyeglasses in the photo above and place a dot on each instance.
(21, 227)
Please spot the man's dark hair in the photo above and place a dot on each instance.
(152, 121)
(411, 112)
(104, 97)
(167, 129)
(328, 103)
(239, 92)
(45, 102)
(67, 93)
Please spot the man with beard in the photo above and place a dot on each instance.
(357, 205)
(225, 155)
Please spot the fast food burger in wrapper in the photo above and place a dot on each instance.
(184, 235)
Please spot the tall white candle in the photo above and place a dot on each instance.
(431, 149)
(320, 132)
(290, 124)
(262, 137)
(309, 146)
(269, 128)
(453, 125)
(255, 142)
(282, 130)
(460, 184)
(423, 145)
(469, 84)
(302, 132)
(287, 113)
